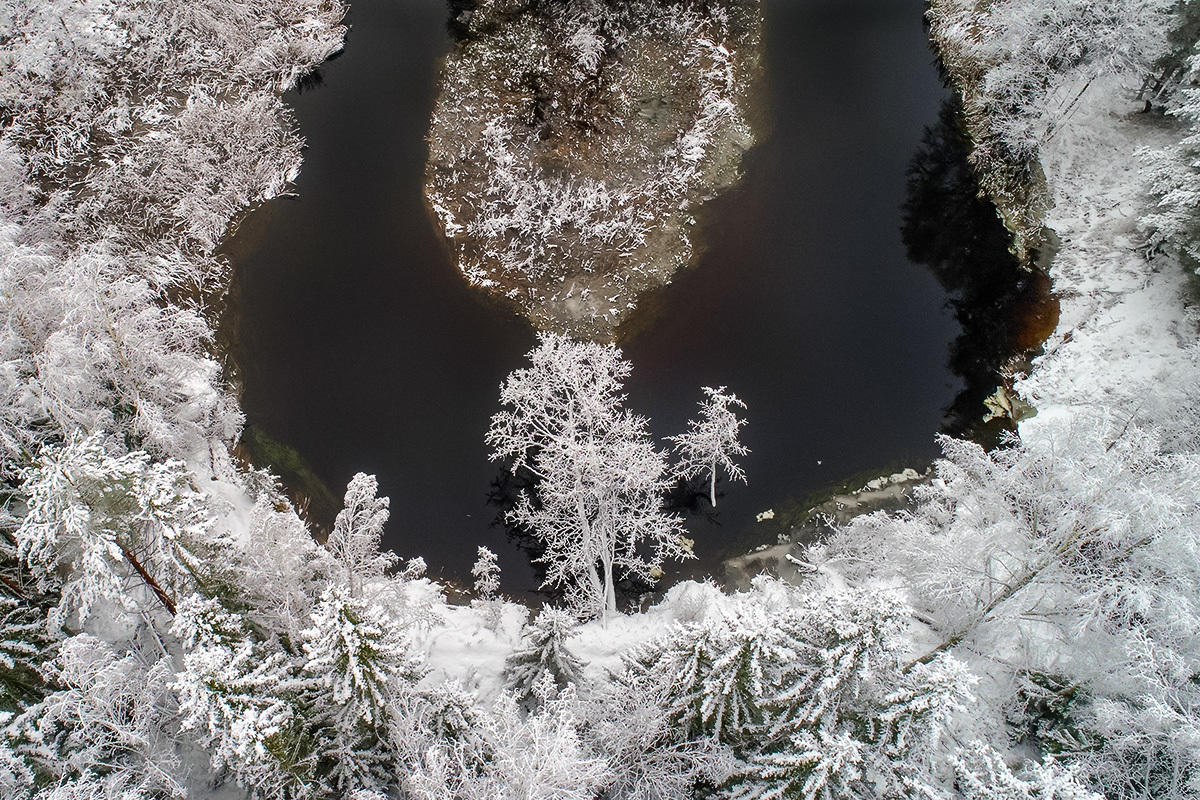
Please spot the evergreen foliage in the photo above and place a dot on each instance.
(544, 654)
(360, 672)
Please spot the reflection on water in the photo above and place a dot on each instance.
(1006, 311)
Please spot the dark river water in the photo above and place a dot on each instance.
(360, 346)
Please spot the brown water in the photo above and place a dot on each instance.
(360, 345)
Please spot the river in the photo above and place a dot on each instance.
(359, 344)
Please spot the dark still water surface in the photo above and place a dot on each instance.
(360, 346)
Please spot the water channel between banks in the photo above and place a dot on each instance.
(358, 343)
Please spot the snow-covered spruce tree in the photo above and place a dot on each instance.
(25, 645)
(712, 442)
(714, 671)
(28, 641)
(543, 654)
(486, 571)
(361, 675)
(1069, 564)
(600, 481)
(355, 540)
(239, 697)
(981, 773)
(811, 690)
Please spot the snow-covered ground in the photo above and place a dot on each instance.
(1126, 340)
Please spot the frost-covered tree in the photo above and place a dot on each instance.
(122, 527)
(535, 757)
(544, 654)
(598, 501)
(624, 721)
(355, 540)
(278, 571)
(712, 442)
(1070, 561)
(110, 720)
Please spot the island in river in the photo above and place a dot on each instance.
(572, 143)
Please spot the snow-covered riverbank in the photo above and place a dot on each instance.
(169, 628)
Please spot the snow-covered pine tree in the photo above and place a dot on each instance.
(360, 676)
(121, 527)
(711, 443)
(544, 654)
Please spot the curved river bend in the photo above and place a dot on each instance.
(359, 344)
